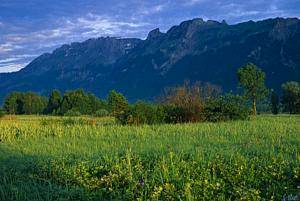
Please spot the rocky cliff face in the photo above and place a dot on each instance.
(208, 51)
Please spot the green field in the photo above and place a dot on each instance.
(53, 158)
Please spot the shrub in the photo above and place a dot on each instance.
(72, 113)
(143, 113)
(224, 108)
(2, 113)
(173, 114)
(185, 100)
(291, 97)
(101, 113)
(125, 117)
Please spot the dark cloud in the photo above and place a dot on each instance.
(29, 28)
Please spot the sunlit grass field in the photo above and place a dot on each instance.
(85, 158)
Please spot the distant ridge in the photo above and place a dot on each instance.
(208, 51)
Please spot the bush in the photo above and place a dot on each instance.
(143, 113)
(185, 103)
(72, 113)
(2, 113)
(173, 114)
(101, 113)
(291, 97)
(224, 108)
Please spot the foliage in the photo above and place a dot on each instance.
(143, 113)
(78, 100)
(181, 104)
(186, 103)
(274, 102)
(101, 113)
(187, 99)
(13, 103)
(2, 113)
(291, 97)
(252, 79)
(263, 106)
(96, 104)
(117, 103)
(72, 113)
(24, 103)
(224, 108)
(74, 100)
(54, 102)
(33, 103)
(195, 103)
(173, 114)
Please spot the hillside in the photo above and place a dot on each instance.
(207, 51)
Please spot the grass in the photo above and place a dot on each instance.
(53, 158)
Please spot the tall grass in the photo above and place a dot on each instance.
(49, 158)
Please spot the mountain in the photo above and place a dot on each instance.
(68, 67)
(208, 51)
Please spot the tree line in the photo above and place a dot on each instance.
(190, 102)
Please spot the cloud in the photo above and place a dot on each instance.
(37, 35)
(193, 2)
(90, 25)
(8, 47)
(66, 30)
(15, 62)
(12, 67)
(95, 25)
(150, 10)
(252, 10)
(3, 61)
(17, 58)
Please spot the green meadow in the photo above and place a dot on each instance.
(85, 158)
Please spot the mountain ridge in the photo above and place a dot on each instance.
(208, 51)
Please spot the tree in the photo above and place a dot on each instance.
(227, 107)
(25, 103)
(79, 101)
(252, 79)
(13, 103)
(54, 102)
(95, 104)
(117, 103)
(146, 113)
(33, 103)
(291, 97)
(76, 101)
(274, 102)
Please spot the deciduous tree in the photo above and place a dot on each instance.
(252, 79)
(291, 97)
(54, 102)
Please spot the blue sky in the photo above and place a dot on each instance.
(29, 28)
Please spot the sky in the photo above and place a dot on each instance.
(29, 28)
